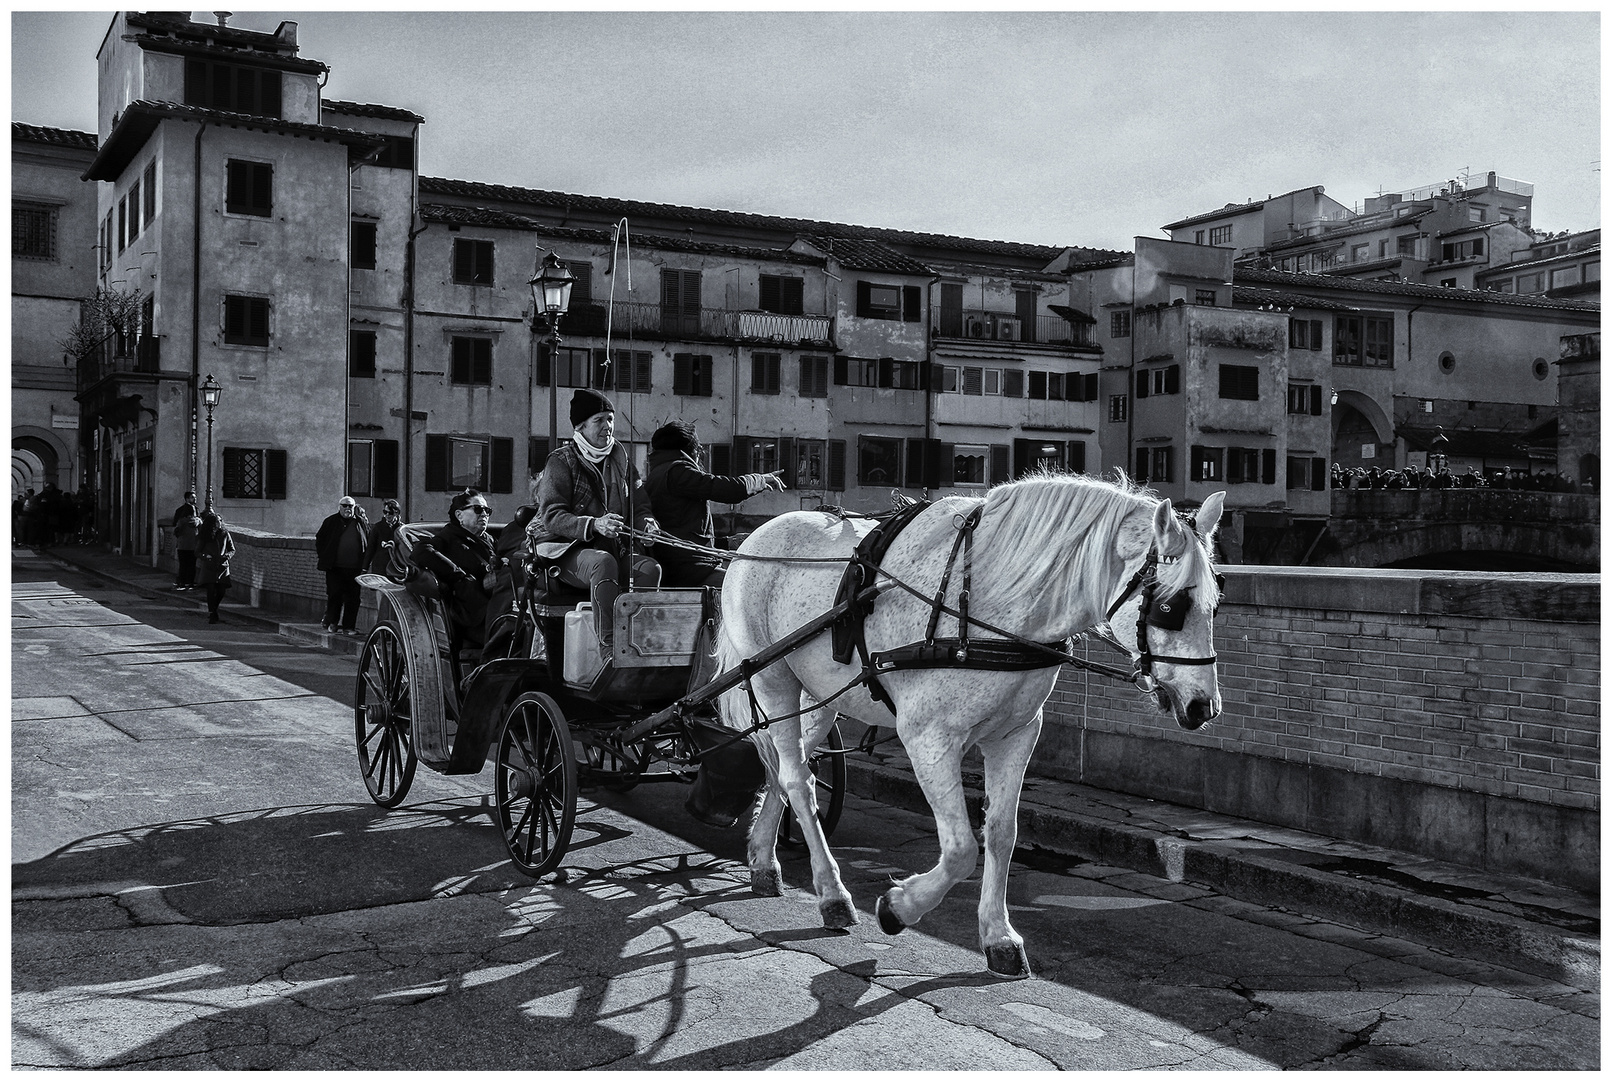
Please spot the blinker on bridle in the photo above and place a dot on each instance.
(1169, 613)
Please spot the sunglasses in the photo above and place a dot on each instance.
(479, 509)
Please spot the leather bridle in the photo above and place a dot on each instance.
(1169, 613)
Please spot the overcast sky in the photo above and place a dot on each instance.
(1050, 127)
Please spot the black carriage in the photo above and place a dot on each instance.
(549, 723)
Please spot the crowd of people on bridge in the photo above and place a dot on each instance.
(1415, 478)
(52, 517)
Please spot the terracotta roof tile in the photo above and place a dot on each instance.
(855, 254)
(1255, 297)
(1343, 285)
(379, 112)
(77, 140)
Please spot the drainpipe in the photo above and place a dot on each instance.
(929, 376)
(408, 331)
(1399, 443)
(195, 303)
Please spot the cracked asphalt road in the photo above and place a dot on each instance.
(198, 881)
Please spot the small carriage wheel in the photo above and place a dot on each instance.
(536, 783)
(383, 716)
(829, 771)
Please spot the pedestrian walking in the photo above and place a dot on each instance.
(383, 534)
(342, 547)
(680, 494)
(186, 524)
(214, 549)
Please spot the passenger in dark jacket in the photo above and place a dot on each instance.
(382, 535)
(585, 499)
(461, 557)
(509, 573)
(680, 493)
(342, 545)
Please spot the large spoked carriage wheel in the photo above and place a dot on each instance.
(829, 771)
(383, 717)
(536, 784)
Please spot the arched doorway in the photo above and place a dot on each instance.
(1360, 432)
(34, 464)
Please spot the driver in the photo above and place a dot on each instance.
(461, 557)
(587, 495)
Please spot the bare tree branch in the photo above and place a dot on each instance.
(101, 317)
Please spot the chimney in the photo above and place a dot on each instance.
(223, 18)
(286, 34)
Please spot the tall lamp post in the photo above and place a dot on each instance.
(210, 393)
(551, 296)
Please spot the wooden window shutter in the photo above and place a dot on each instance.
(864, 300)
(786, 459)
(1267, 466)
(740, 462)
(237, 187)
(887, 367)
(721, 459)
(836, 464)
(231, 479)
(914, 472)
(1077, 456)
(1021, 457)
(1172, 379)
(385, 478)
(537, 454)
(682, 373)
(912, 303)
(842, 370)
(484, 261)
(792, 297)
(808, 376)
(436, 463)
(770, 293)
(482, 350)
(196, 83)
(544, 362)
(1315, 400)
(503, 470)
(274, 474)
(1315, 334)
(1089, 387)
(257, 323)
(702, 383)
(1013, 383)
(1318, 474)
(935, 459)
(1141, 465)
(463, 261)
(361, 346)
(1142, 379)
(270, 105)
(460, 360)
(643, 364)
(999, 463)
(670, 290)
(691, 294)
(262, 188)
(1054, 386)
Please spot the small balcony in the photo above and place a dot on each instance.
(117, 357)
(980, 325)
(760, 326)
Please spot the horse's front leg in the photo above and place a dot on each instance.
(785, 756)
(1006, 758)
(937, 755)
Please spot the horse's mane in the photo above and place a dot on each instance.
(1051, 542)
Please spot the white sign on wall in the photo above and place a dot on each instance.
(1368, 450)
(59, 421)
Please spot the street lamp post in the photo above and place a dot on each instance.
(1439, 451)
(551, 296)
(210, 392)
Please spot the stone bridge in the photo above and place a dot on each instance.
(1462, 528)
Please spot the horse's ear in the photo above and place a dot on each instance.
(1164, 523)
(1209, 515)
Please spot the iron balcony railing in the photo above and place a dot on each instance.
(980, 325)
(748, 325)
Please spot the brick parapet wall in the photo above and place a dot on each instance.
(274, 572)
(1349, 685)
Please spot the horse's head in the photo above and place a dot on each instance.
(1167, 617)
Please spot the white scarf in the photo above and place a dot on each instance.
(590, 452)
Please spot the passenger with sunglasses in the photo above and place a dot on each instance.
(461, 557)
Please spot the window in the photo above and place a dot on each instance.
(472, 362)
(1164, 380)
(571, 367)
(1568, 275)
(1208, 463)
(691, 375)
(761, 455)
(851, 371)
(1306, 474)
(1363, 341)
(764, 375)
(33, 231)
(1304, 399)
(232, 87)
(361, 354)
(1220, 236)
(106, 241)
(1197, 237)
(1119, 324)
(1592, 271)
(1118, 408)
(1304, 333)
(973, 381)
(1239, 382)
(1504, 285)
(246, 320)
(1531, 283)
(123, 224)
(1038, 385)
(811, 464)
(782, 295)
(151, 192)
(1447, 283)
(1406, 244)
(134, 210)
(1382, 249)
(1155, 464)
(902, 303)
(629, 372)
(1246, 466)
(455, 462)
(249, 188)
(363, 245)
(814, 376)
(679, 301)
(969, 466)
(951, 379)
(472, 261)
(1204, 297)
(901, 374)
(360, 466)
(1013, 383)
(254, 473)
(993, 382)
(878, 461)
(1465, 249)
(1359, 253)
(398, 153)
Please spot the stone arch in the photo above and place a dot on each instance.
(43, 446)
(1367, 407)
(27, 472)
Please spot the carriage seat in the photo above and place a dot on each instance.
(551, 597)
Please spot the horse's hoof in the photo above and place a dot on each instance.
(889, 921)
(1009, 961)
(766, 882)
(838, 914)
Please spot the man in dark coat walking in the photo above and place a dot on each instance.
(680, 493)
(342, 545)
(186, 525)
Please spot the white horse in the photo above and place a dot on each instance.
(1054, 556)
